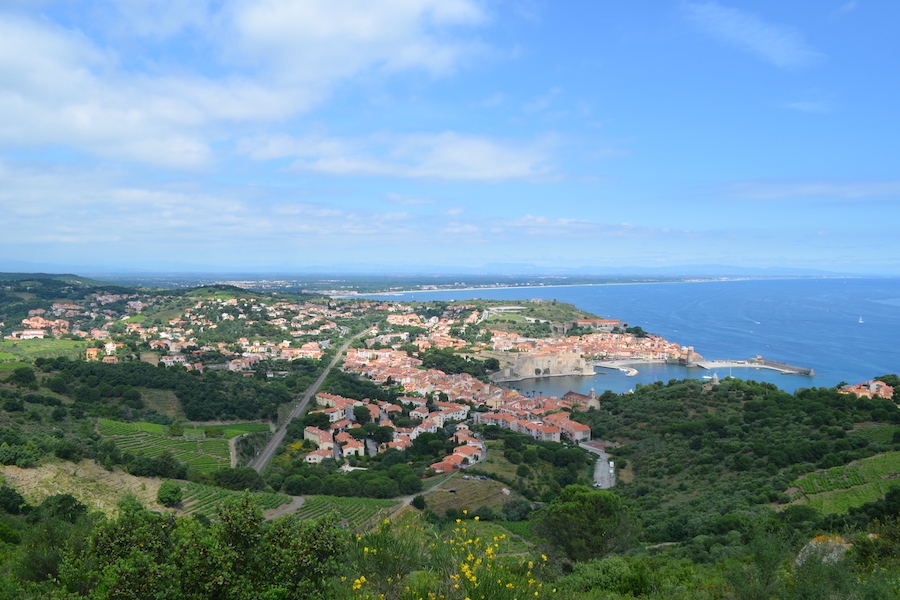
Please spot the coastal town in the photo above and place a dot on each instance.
(252, 334)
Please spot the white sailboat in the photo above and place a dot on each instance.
(860, 320)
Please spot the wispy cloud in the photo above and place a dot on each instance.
(461, 228)
(567, 227)
(449, 155)
(493, 100)
(60, 201)
(778, 44)
(774, 190)
(408, 200)
(543, 101)
(820, 107)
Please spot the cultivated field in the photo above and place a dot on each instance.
(47, 348)
(351, 511)
(11, 365)
(203, 499)
(192, 448)
(880, 433)
(836, 490)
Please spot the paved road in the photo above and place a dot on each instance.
(603, 478)
(262, 459)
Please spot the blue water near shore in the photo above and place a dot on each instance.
(804, 322)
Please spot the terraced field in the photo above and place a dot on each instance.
(203, 499)
(836, 490)
(192, 448)
(880, 433)
(351, 511)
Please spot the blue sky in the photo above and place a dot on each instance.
(259, 135)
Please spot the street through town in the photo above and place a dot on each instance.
(262, 459)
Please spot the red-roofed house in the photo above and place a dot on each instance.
(317, 456)
(323, 439)
(470, 453)
(353, 448)
(571, 429)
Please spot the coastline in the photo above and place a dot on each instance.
(568, 285)
(610, 283)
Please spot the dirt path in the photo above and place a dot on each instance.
(232, 450)
(286, 509)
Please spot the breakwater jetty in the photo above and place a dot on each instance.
(757, 362)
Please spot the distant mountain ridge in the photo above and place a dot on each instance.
(64, 277)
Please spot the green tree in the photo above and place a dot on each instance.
(362, 414)
(23, 376)
(383, 434)
(316, 419)
(11, 501)
(583, 523)
(169, 493)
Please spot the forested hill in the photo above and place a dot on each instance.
(62, 277)
(702, 460)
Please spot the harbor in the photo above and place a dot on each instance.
(757, 362)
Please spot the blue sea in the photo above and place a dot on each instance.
(804, 322)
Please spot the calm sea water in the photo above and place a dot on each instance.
(804, 322)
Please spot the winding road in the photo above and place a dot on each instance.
(262, 459)
(604, 476)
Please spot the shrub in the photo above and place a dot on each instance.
(169, 493)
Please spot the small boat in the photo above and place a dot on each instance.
(860, 320)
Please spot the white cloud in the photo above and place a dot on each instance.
(282, 58)
(766, 190)
(322, 40)
(60, 89)
(780, 45)
(448, 155)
